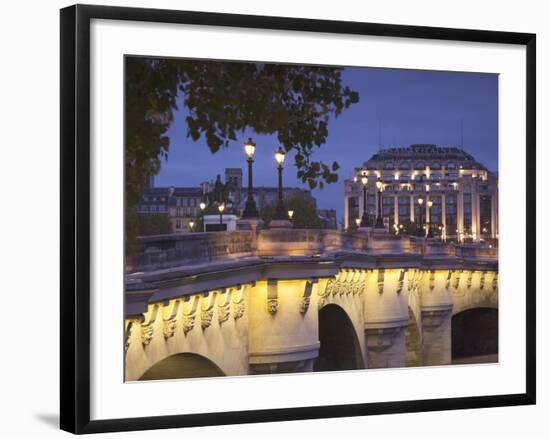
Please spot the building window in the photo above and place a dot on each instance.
(450, 214)
(371, 204)
(435, 211)
(178, 224)
(388, 209)
(353, 210)
(485, 211)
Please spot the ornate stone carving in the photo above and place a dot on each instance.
(432, 280)
(323, 294)
(449, 278)
(207, 309)
(272, 299)
(147, 332)
(306, 297)
(331, 284)
(224, 306)
(495, 281)
(410, 283)
(170, 315)
(128, 335)
(456, 282)
(238, 303)
(189, 314)
(147, 326)
(380, 281)
(358, 287)
(414, 280)
(469, 279)
(401, 281)
(482, 280)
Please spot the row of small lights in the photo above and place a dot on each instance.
(427, 174)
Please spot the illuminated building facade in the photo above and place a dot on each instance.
(459, 195)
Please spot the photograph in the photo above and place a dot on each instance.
(296, 218)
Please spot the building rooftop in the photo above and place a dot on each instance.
(418, 156)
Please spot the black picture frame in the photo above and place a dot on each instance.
(75, 217)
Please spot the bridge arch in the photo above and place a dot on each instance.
(182, 365)
(339, 345)
(475, 335)
(474, 289)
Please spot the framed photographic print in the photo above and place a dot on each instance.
(268, 218)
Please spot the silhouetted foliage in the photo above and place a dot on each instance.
(221, 100)
(153, 224)
(305, 213)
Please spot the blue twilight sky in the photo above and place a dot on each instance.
(409, 106)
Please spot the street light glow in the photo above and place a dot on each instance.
(249, 148)
(290, 214)
(221, 207)
(280, 156)
(202, 205)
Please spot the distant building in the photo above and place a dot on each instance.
(182, 204)
(463, 191)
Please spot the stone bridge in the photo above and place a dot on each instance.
(214, 304)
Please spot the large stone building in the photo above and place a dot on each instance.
(464, 193)
(181, 204)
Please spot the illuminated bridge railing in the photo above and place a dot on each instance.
(165, 251)
(176, 250)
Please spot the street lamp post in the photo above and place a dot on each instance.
(280, 212)
(430, 204)
(221, 208)
(379, 220)
(202, 206)
(420, 222)
(191, 225)
(250, 210)
(364, 181)
(290, 216)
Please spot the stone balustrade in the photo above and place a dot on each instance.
(164, 251)
(475, 251)
(167, 251)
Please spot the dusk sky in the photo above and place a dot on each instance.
(410, 106)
